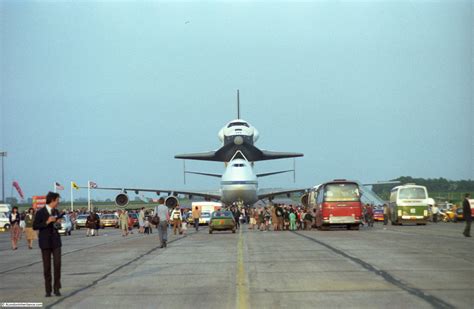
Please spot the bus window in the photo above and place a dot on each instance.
(341, 193)
(312, 198)
(393, 196)
(412, 193)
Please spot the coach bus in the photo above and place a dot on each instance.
(337, 203)
(409, 204)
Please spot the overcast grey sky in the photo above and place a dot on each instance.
(112, 90)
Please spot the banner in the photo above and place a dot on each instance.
(39, 201)
(18, 189)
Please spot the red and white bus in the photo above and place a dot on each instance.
(337, 203)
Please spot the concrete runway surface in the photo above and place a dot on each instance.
(392, 267)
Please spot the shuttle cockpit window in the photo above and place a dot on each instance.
(238, 124)
(238, 165)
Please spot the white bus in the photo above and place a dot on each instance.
(409, 203)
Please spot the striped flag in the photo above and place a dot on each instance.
(58, 186)
(92, 185)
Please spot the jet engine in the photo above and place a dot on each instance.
(171, 201)
(121, 200)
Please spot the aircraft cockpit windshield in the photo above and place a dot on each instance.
(238, 124)
(238, 165)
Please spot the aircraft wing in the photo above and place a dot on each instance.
(206, 194)
(271, 193)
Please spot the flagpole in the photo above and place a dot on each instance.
(54, 187)
(72, 199)
(89, 195)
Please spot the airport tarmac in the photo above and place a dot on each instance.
(397, 267)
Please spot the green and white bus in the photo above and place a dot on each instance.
(409, 204)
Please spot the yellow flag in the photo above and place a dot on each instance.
(74, 185)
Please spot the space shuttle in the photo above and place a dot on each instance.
(238, 137)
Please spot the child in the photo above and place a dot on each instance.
(146, 224)
(184, 227)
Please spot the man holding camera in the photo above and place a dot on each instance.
(47, 221)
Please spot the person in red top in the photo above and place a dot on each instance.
(370, 216)
(130, 224)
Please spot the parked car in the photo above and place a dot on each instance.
(66, 225)
(190, 219)
(134, 217)
(4, 221)
(81, 221)
(109, 220)
(378, 214)
(222, 221)
(205, 218)
(459, 215)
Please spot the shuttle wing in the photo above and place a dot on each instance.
(205, 156)
(215, 195)
(227, 152)
(271, 155)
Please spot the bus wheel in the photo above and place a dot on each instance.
(324, 227)
(355, 227)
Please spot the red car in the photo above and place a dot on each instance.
(134, 218)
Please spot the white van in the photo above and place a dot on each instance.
(5, 208)
(4, 221)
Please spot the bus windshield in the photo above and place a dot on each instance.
(343, 192)
(412, 193)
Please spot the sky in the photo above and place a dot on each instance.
(110, 91)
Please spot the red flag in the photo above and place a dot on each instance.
(18, 189)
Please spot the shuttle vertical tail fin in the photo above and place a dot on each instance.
(238, 104)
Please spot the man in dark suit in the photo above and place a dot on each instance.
(466, 211)
(50, 241)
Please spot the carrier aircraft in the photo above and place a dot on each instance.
(239, 182)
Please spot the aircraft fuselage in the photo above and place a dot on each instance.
(239, 183)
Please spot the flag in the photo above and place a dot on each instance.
(58, 186)
(74, 185)
(92, 185)
(18, 189)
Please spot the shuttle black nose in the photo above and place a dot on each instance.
(238, 140)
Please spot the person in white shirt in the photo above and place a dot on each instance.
(177, 219)
(141, 221)
(162, 212)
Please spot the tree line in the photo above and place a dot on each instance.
(432, 184)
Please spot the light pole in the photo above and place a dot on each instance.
(3, 154)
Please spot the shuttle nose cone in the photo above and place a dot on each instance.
(238, 140)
